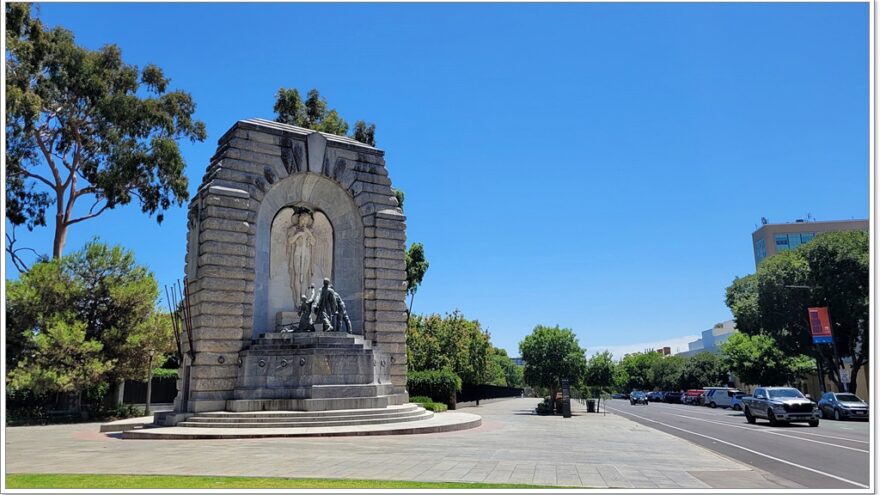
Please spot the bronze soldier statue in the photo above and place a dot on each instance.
(305, 311)
(341, 314)
(327, 308)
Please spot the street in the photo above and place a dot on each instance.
(833, 455)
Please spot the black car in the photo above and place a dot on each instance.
(672, 397)
(655, 396)
(638, 398)
(842, 405)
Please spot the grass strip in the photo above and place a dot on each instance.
(127, 481)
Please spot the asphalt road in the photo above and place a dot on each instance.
(833, 455)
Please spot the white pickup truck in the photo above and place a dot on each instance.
(780, 405)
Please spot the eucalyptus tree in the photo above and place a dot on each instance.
(84, 127)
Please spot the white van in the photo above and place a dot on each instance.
(719, 396)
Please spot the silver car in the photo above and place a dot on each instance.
(842, 405)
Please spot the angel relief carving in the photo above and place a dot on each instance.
(305, 240)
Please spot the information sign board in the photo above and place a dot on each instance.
(566, 399)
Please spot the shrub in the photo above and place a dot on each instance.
(165, 373)
(439, 385)
(428, 404)
(435, 406)
(121, 411)
(544, 407)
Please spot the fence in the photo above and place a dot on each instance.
(470, 393)
(164, 391)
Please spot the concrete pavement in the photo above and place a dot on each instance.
(512, 446)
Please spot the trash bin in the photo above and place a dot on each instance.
(591, 405)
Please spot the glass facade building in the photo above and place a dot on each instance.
(770, 238)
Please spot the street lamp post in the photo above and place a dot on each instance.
(147, 411)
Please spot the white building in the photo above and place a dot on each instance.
(711, 339)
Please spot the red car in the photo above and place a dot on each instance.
(693, 396)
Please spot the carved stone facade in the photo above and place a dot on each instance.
(262, 169)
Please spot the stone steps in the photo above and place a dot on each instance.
(251, 405)
(443, 422)
(251, 422)
(405, 408)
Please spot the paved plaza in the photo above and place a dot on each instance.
(512, 446)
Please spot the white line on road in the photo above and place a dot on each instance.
(748, 450)
(793, 432)
(724, 423)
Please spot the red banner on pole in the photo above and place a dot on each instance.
(820, 325)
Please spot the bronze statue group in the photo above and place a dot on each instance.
(328, 308)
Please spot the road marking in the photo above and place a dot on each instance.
(723, 423)
(799, 432)
(749, 450)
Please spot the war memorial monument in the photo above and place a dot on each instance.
(296, 280)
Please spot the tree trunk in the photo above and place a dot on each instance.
(115, 394)
(60, 236)
(553, 398)
(856, 367)
(149, 386)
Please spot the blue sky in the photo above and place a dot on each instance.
(596, 166)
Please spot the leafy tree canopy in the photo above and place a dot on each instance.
(400, 196)
(99, 291)
(637, 370)
(703, 370)
(831, 270)
(600, 371)
(451, 342)
(61, 359)
(84, 125)
(416, 267)
(759, 360)
(667, 372)
(315, 114)
(502, 370)
(551, 354)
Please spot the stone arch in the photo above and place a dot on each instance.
(260, 167)
(320, 193)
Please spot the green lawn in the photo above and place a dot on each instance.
(108, 481)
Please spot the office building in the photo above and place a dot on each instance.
(710, 340)
(772, 238)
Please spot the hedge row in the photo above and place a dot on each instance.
(439, 385)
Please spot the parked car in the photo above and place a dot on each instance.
(736, 401)
(780, 405)
(637, 397)
(655, 396)
(719, 396)
(672, 397)
(842, 405)
(616, 396)
(693, 397)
